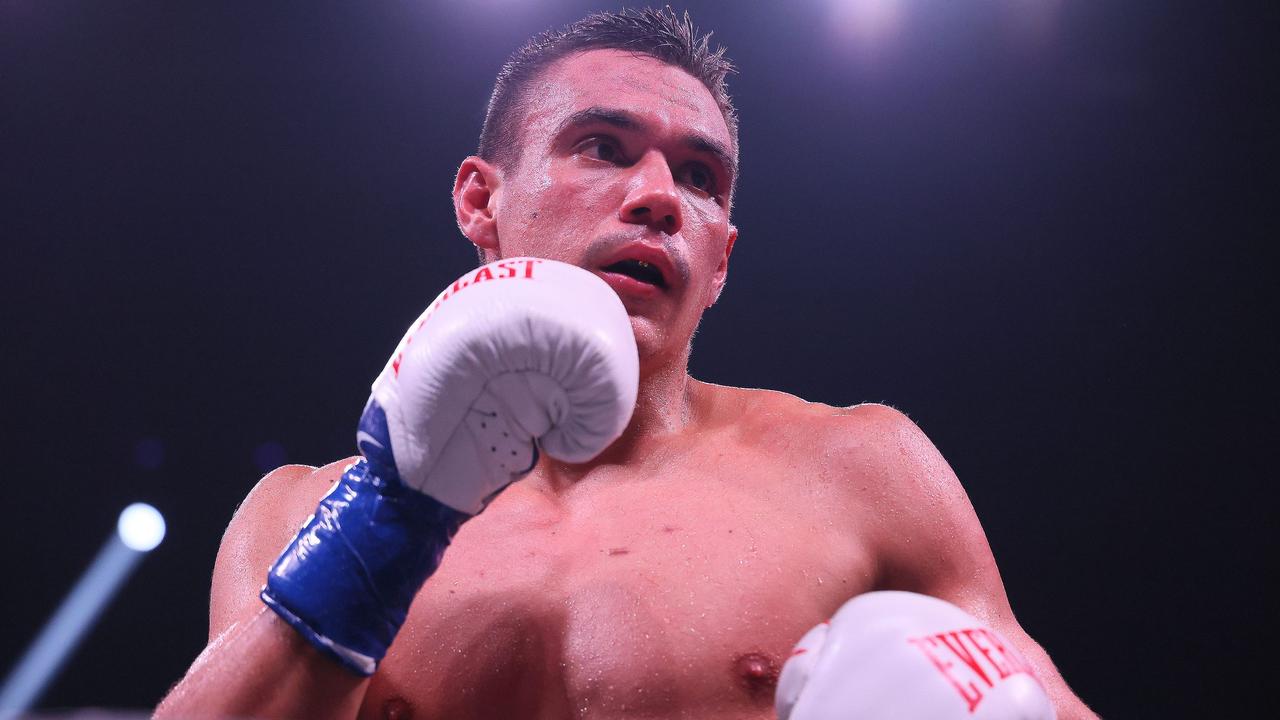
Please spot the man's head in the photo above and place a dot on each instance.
(656, 33)
(612, 145)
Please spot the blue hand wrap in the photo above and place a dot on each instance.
(346, 581)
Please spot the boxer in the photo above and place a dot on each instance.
(549, 517)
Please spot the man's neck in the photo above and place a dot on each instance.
(662, 401)
(664, 407)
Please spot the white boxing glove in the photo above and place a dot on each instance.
(910, 657)
(516, 354)
(519, 354)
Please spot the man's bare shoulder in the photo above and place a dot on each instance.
(874, 450)
(833, 431)
(281, 494)
(266, 520)
(877, 448)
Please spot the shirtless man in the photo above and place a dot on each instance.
(670, 575)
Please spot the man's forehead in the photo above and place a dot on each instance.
(627, 81)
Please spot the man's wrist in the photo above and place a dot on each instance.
(346, 581)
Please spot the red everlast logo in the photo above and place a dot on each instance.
(501, 270)
(972, 660)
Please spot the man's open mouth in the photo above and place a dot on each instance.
(638, 270)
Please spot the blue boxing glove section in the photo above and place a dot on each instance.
(346, 581)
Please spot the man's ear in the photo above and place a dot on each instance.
(722, 270)
(475, 192)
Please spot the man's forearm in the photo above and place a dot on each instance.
(263, 669)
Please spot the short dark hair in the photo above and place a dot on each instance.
(660, 34)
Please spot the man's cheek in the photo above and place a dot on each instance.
(590, 193)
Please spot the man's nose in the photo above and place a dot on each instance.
(653, 199)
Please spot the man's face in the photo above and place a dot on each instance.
(625, 170)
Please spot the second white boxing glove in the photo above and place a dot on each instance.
(907, 656)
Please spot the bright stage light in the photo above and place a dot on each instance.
(141, 527)
(138, 531)
(867, 21)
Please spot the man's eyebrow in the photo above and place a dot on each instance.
(624, 120)
(608, 116)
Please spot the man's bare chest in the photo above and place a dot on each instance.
(679, 595)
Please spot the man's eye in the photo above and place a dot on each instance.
(602, 149)
(700, 177)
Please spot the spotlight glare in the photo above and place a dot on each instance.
(867, 21)
(141, 527)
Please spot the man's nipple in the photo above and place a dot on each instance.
(397, 708)
(757, 673)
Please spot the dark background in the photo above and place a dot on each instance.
(1035, 226)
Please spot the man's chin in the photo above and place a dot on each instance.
(655, 341)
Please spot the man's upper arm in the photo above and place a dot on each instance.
(928, 539)
(267, 520)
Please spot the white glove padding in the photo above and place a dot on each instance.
(519, 351)
(911, 657)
